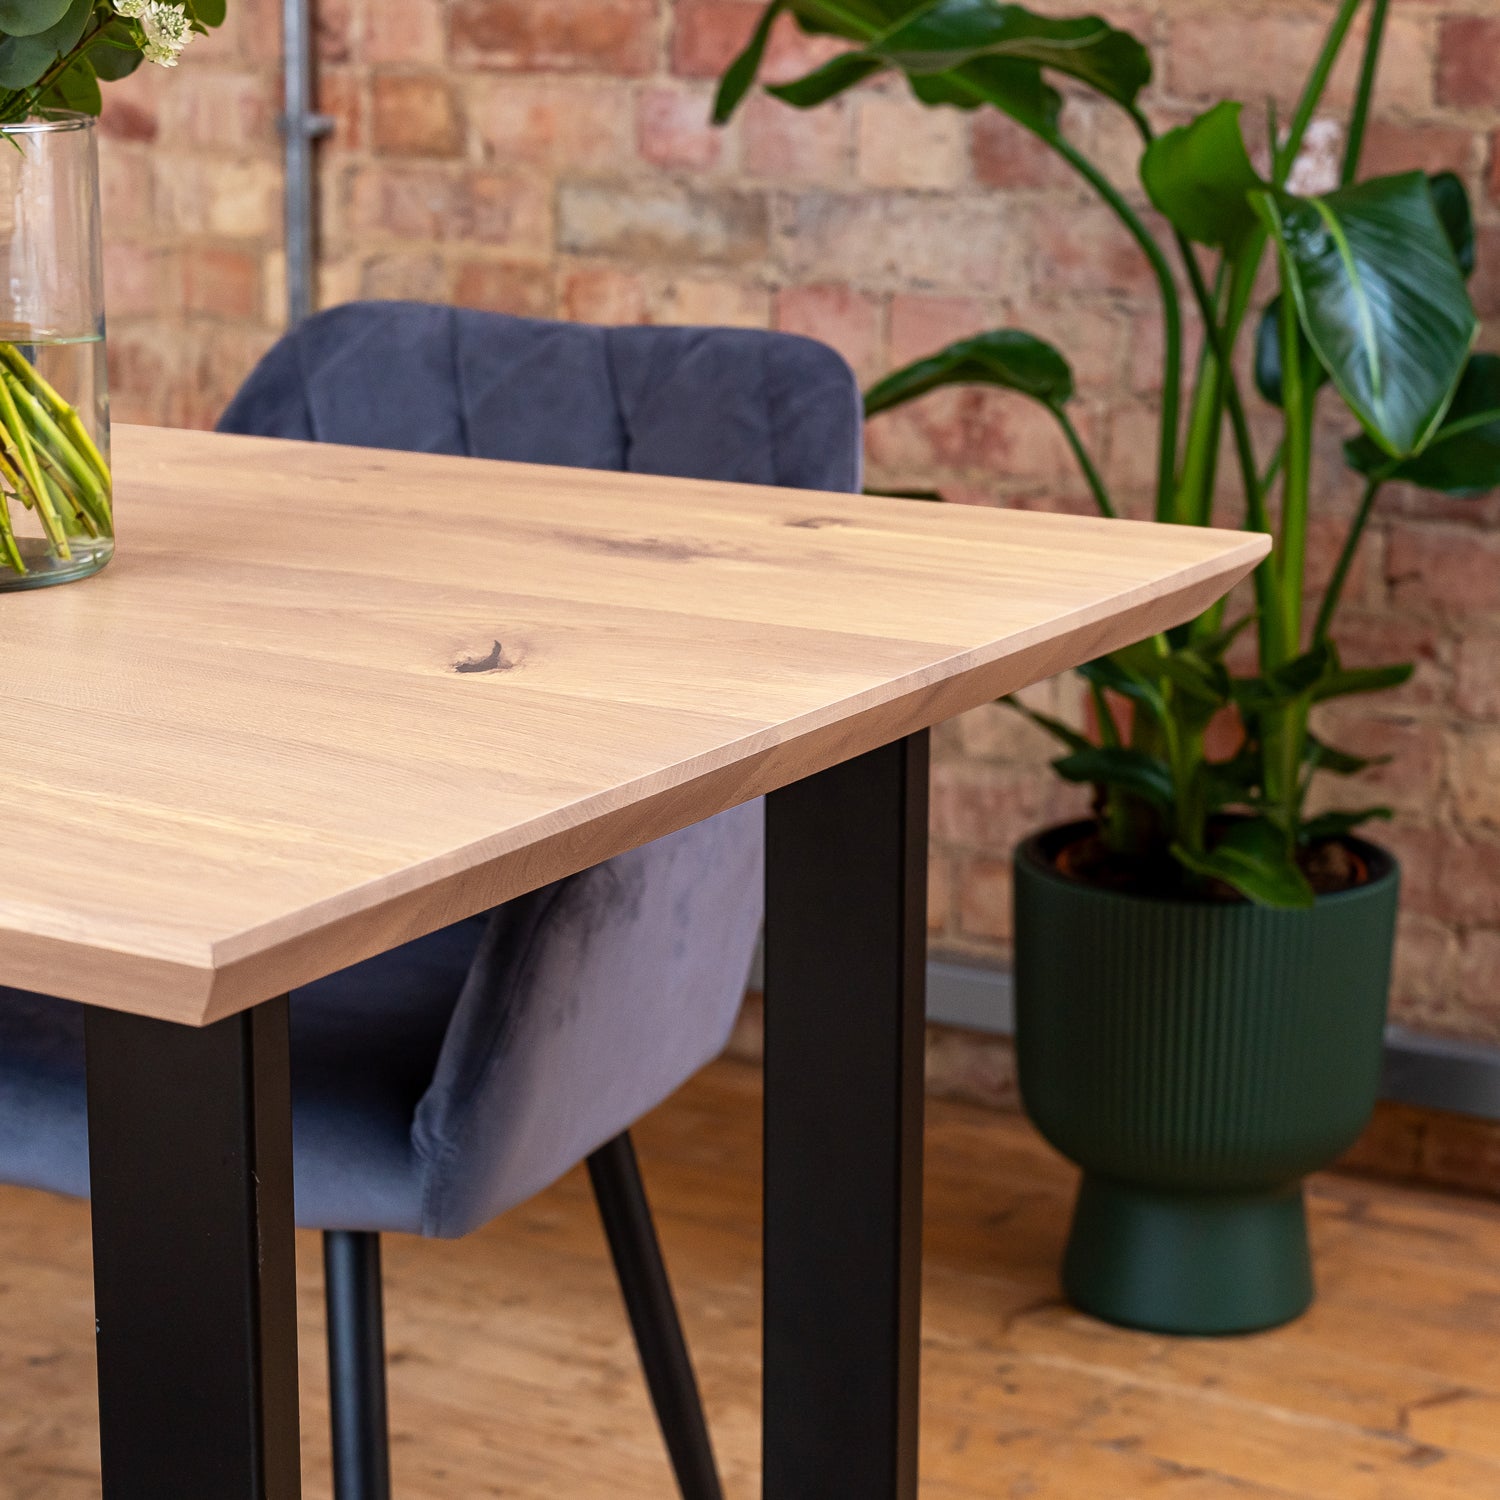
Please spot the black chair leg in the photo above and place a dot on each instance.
(356, 1365)
(621, 1196)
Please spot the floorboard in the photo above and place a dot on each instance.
(513, 1374)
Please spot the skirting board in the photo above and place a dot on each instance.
(1427, 1072)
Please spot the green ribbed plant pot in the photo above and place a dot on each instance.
(1196, 1060)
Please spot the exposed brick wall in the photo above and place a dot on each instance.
(553, 158)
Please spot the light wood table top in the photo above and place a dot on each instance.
(328, 699)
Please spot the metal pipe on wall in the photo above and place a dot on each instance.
(301, 128)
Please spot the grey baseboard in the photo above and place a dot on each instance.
(1425, 1071)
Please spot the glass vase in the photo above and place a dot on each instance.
(56, 504)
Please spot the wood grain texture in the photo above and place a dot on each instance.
(513, 1374)
(328, 699)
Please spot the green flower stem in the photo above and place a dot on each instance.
(8, 547)
(1360, 116)
(1090, 473)
(1171, 394)
(13, 433)
(1331, 597)
(83, 475)
(67, 418)
(1312, 95)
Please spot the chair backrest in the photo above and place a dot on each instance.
(588, 1001)
(703, 403)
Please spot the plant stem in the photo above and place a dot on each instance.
(1360, 115)
(1090, 473)
(14, 434)
(1312, 94)
(1296, 485)
(1171, 397)
(1335, 589)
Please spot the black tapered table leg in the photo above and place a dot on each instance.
(190, 1155)
(846, 878)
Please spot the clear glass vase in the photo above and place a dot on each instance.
(56, 503)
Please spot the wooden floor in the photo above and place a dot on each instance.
(513, 1374)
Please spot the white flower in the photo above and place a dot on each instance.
(167, 31)
(132, 10)
(1318, 167)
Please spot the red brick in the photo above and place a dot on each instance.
(1085, 250)
(922, 325)
(837, 315)
(341, 97)
(1468, 63)
(402, 31)
(1484, 285)
(903, 145)
(602, 294)
(223, 283)
(673, 130)
(1006, 156)
(551, 120)
(596, 36)
(1410, 779)
(790, 146)
(713, 302)
(660, 221)
(880, 238)
(1391, 147)
(139, 280)
(415, 115)
(1370, 639)
(1450, 570)
(498, 287)
(127, 120)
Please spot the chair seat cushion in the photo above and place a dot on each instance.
(365, 1042)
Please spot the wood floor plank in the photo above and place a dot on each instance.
(513, 1376)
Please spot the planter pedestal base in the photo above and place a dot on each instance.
(1188, 1263)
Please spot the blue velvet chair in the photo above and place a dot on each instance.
(439, 1084)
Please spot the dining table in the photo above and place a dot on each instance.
(326, 700)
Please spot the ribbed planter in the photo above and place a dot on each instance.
(1197, 1060)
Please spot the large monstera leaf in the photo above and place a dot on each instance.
(1463, 458)
(1381, 299)
(963, 52)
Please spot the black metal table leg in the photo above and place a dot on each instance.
(190, 1153)
(846, 876)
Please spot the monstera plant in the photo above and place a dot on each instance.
(1200, 930)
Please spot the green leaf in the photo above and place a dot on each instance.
(1065, 733)
(1200, 177)
(1463, 459)
(76, 89)
(741, 73)
(1324, 757)
(947, 34)
(1451, 200)
(1334, 825)
(1253, 859)
(28, 17)
(968, 52)
(207, 13)
(1121, 675)
(1211, 643)
(1122, 769)
(116, 53)
(1268, 354)
(1005, 357)
(822, 84)
(24, 59)
(1341, 682)
(1381, 299)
